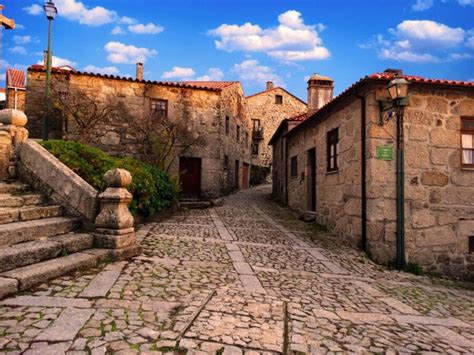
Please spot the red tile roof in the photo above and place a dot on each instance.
(381, 77)
(200, 85)
(16, 78)
(301, 117)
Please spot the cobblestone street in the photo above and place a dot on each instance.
(247, 277)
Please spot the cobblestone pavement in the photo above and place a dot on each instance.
(247, 277)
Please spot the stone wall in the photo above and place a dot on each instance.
(338, 197)
(203, 110)
(262, 106)
(439, 203)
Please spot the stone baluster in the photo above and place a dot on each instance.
(12, 134)
(114, 223)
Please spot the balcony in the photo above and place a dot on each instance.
(257, 134)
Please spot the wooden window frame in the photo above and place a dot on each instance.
(227, 125)
(256, 124)
(279, 99)
(332, 140)
(255, 144)
(226, 162)
(153, 110)
(237, 134)
(468, 131)
(294, 166)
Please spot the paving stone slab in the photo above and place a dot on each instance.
(45, 301)
(101, 284)
(66, 326)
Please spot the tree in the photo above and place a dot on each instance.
(79, 112)
(163, 139)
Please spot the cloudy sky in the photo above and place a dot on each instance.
(248, 40)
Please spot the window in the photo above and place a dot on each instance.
(256, 125)
(246, 138)
(471, 244)
(238, 133)
(159, 108)
(226, 162)
(278, 99)
(294, 166)
(467, 142)
(332, 149)
(254, 148)
(227, 125)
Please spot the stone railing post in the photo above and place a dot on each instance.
(114, 228)
(12, 134)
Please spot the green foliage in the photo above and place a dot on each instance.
(258, 174)
(152, 189)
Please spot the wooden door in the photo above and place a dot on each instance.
(236, 171)
(190, 177)
(245, 176)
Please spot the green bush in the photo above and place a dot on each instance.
(258, 174)
(152, 188)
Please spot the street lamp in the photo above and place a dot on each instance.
(50, 11)
(398, 92)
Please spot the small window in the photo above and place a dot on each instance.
(256, 125)
(471, 244)
(238, 133)
(278, 99)
(467, 142)
(226, 162)
(332, 149)
(159, 108)
(254, 148)
(246, 138)
(227, 125)
(294, 166)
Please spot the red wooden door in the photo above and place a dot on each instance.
(245, 176)
(190, 177)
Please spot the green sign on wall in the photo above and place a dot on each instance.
(385, 152)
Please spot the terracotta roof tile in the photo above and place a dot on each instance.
(16, 78)
(200, 85)
(301, 117)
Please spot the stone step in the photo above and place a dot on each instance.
(35, 274)
(32, 252)
(9, 215)
(13, 187)
(9, 200)
(18, 232)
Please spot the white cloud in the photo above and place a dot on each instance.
(18, 50)
(470, 39)
(421, 41)
(179, 73)
(460, 56)
(125, 20)
(251, 72)
(3, 77)
(77, 11)
(422, 5)
(102, 70)
(213, 74)
(150, 28)
(117, 30)
(59, 62)
(121, 53)
(466, 2)
(34, 9)
(291, 40)
(428, 33)
(22, 39)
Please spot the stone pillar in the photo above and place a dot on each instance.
(114, 223)
(12, 134)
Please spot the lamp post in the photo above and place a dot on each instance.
(50, 11)
(398, 91)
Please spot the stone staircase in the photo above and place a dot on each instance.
(37, 241)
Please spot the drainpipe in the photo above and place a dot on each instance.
(363, 170)
(400, 192)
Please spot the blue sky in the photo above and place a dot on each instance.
(251, 41)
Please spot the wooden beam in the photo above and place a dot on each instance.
(9, 24)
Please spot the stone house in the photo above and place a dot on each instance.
(339, 164)
(267, 109)
(15, 89)
(214, 111)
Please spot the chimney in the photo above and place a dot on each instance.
(269, 85)
(320, 92)
(139, 71)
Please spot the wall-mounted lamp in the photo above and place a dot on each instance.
(398, 91)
